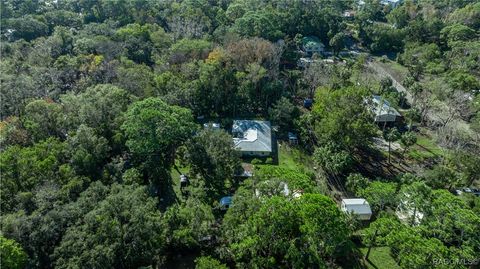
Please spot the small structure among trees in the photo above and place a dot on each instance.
(383, 111)
(292, 138)
(358, 207)
(312, 45)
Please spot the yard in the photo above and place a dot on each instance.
(398, 71)
(380, 258)
(425, 149)
(293, 158)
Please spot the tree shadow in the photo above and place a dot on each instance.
(371, 263)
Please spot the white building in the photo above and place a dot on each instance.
(358, 207)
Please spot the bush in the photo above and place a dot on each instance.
(208, 263)
(256, 161)
(269, 161)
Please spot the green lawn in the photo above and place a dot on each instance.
(292, 158)
(424, 149)
(380, 258)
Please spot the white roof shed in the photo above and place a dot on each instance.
(358, 207)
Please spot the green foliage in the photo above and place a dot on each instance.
(122, 230)
(42, 119)
(283, 113)
(187, 49)
(296, 180)
(379, 194)
(390, 136)
(87, 151)
(408, 139)
(187, 224)
(428, 57)
(332, 159)
(355, 183)
(414, 198)
(262, 24)
(41, 231)
(456, 32)
(137, 79)
(341, 117)
(463, 81)
(13, 133)
(11, 254)
(154, 130)
(337, 42)
(442, 176)
(212, 156)
(75, 77)
(468, 15)
(450, 220)
(27, 27)
(25, 168)
(99, 107)
(207, 262)
(467, 164)
(383, 38)
(303, 233)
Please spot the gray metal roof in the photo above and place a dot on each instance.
(382, 107)
(252, 135)
(357, 206)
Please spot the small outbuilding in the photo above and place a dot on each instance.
(358, 207)
(307, 103)
(292, 138)
(183, 181)
(225, 202)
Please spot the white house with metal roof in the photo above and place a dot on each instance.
(358, 207)
(383, 111)
(252, 137)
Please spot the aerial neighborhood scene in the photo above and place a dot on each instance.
(215, 134)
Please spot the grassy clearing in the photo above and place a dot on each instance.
(293, 158)
(380, 258)
(398, 71)
(425, 149)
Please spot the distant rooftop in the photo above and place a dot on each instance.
(312, 43)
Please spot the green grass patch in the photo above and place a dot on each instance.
(293, 158)
(380, 258)
(424, 149)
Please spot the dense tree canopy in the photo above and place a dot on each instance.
(103, 104)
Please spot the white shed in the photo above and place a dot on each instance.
(358, 207)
